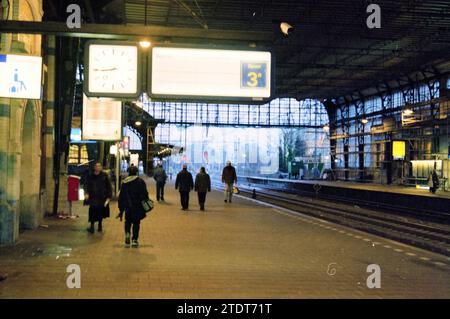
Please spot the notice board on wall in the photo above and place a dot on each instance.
(102, 119)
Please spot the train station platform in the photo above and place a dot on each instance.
(377, 195)
(239, 250)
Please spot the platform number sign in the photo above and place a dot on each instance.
(254, 75)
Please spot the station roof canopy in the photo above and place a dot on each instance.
(331, 51)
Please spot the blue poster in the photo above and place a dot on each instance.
(254, 75)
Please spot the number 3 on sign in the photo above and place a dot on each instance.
(254, 75)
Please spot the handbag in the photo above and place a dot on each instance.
(147, 205)
(236, 190)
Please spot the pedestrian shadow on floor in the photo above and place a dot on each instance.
(131, 259)
(141, 246)
(197, 211)
(165, 203)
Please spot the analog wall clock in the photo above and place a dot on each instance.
(112, 69)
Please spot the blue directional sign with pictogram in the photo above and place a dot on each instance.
(21, 76)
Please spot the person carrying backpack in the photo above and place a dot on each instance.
(160, 177)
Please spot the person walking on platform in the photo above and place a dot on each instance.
(98, 192)
(160, 177)
(433, 181)
(184, 183)
(202, 186)
(229, 177)
(132, 193)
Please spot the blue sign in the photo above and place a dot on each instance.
(21, 76)
(254, 75)
(75, 137)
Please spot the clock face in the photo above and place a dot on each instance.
(113, 70)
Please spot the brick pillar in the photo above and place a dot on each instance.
(49, 105)
(19, 174)
(10, 149)
(9, 224)
(7, 234)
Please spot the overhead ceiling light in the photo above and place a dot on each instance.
(138, 123)
(408, 111)
(286, 28)
(364, 121)
(145, 44)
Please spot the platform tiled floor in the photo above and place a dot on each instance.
(242, 250)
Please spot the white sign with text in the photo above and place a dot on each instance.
(102, 119)
(210, 73)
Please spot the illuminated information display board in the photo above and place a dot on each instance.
(210, 73)
(398, 150)
(20, 76)
(102, 119)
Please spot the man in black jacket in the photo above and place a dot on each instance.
(202, 186)
(160, 177)
(132, 193)
(229, 177)
(184, 183)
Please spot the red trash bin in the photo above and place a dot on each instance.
(74, 185)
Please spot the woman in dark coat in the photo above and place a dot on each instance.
(132, 193)
(433, 181)
(202, 186)
(98, 192)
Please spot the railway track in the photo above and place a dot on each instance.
(414, 231)
(424, 214)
